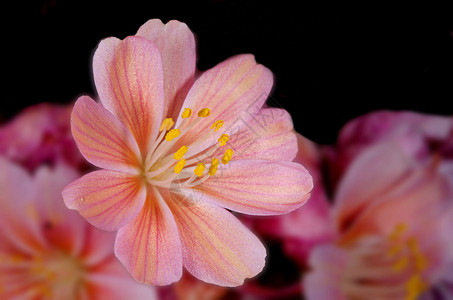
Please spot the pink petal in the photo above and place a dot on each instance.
(234, 91)
(176, 45)
(18, 214)
(259, 187)
(129, 80)
(149, 247)
(268, 135)
(107, 199)
(216, 247)
(112, 281)
(62, 228)
(370, 175)
(324, 281)
(102, 139)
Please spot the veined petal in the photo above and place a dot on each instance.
(176, 44)
(102, 139)
(234, 91)
(268, 135)
(149, 246)
(129, 80)
(259, 187)
(107, 199)
(216, 247)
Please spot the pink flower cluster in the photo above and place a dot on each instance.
(208, 193)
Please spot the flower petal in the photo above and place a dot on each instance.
(328, 263)
(18, 215)
(149, 247)
(259, 187)
(107, 199)
(129, 80)
(234, 91)
(112, 281)
(373, 173)
(176, 44)
(268, 135)
(101, 138)
(216, 247)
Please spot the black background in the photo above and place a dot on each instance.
(332, 62)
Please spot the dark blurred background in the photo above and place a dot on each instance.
(331, 62)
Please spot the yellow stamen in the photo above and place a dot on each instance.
(204, 112)
(414, 286)
(223, 139)
(420, 262)
(172, 134)
(186, 113)
(400, 264)
(395, 249)
(217, 125)
(227, 156)
(180, 153)
(166, 124)
(399, 230)
(213, 167)
(199, 169)
(179, 166)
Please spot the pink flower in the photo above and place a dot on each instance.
(177, 153)
(50, 252)
(393, 215)
(40, 134)
(419, 136)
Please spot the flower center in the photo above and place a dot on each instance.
(390, 268)
(165, 166)
(53, 275)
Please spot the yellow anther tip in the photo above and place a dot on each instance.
(204, 112)
(172, 134)
(180, 153)
(186, 113)
(227, 156)
(166, 124)
(217, 125)
(213, 167)
(223, 139)
(199, 169)
(179, 166)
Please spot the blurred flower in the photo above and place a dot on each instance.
(419, 135)
(40, 135)
(50, 252)
(167, 189)
(392, 210)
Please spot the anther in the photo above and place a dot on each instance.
(213, 167)
(400, 264)
(186, 113)
(217, 125)
(204, 112)
(199, 169)
(166, 124)
(179, 166)
(180, 153)
(227, 156)
(223, 139)
(172, 134)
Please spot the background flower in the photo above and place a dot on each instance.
(41, 134)
(50, 252)
(392, 209)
